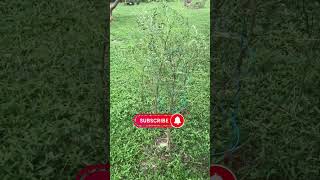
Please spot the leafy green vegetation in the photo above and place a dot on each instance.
(50, 88)
(136, 153)
(279, 98)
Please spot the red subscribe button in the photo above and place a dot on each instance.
(158, 120)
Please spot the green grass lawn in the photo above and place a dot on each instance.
(134, 154)
(279, 104)
(51, 109)
(50, 88)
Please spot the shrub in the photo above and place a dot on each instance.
(169, 51)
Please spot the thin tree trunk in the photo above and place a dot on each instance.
(113, 6)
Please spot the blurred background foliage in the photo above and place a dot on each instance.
(51, 88)
(279, 107)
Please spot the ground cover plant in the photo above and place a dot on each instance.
(278, 111)
(50, 88)
(137, 47)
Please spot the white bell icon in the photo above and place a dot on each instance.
(216, 177)
(177, 120)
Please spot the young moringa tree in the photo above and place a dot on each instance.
(170, 49)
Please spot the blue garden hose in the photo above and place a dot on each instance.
(234, 124)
